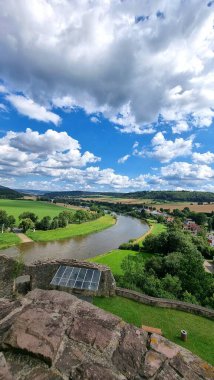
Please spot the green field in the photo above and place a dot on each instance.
(73, 230)
(7, 239)
(17, 207)
(114, 258)
(200, 330)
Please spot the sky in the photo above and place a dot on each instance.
(107, 95)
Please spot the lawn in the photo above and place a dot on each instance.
(73, 230)
(114, 258)
(7, 239)
(17, 207)
(200, 330)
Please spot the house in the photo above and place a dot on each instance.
(191, 226)
(210, 239)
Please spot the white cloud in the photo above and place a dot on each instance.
(123, 159)
(28, 107)
(187, 172)
(203, 158)
(29, 152)
(3, 108)
(95, 119)
(106, 57)
(167, 150)
(180, 127)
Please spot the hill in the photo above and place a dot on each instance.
(7, 193)
(169, 196)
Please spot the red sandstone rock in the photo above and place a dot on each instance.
(82, 342)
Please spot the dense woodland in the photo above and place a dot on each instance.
(175, 270)
(6, 193)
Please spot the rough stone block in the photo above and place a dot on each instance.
(22, 284)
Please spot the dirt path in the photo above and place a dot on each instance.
(24, 238)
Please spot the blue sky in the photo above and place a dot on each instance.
(107, 95)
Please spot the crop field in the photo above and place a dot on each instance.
(152, 203)
(17, 207)
(73, 230)
(200, 330)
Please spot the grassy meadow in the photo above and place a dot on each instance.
(200, 330)
(73, 230)
(114, 258)
(41, 209)
(7, 239)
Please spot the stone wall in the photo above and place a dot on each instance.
(42, 272)
(53, 335)
(161, 302)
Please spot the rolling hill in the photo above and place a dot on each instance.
(7, 193)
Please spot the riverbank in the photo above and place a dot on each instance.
(114, 258)
(8, 239)
(73, 230)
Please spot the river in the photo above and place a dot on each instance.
(82, 247)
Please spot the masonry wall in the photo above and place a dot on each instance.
(161, 302)
(42, 272)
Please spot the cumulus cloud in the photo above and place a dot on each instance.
(29, 152)
(203, 158)
(123, 159)
(185, 171)
(69, 53)
(28, 107)
(167, 150)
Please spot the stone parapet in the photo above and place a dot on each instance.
(162, 302)
(53, 335)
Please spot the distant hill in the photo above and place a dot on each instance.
(169, 196)
(79, 194)
(173, 196)
(7, 193)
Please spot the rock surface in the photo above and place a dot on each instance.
(52, 335)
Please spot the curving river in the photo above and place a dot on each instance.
(82, 247)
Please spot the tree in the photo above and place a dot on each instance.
(3, 220)
(11, 221)
(44, 223)
(29, 215)
(80, 216)
(26, 224)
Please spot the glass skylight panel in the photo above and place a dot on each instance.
(77, 278)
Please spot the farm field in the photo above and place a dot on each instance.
(7, 239)
(200, 330)
(73, 230)
(167, 205)
(41, 209)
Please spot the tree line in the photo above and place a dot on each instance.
(29, 220)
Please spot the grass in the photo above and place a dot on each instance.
(17, 207)
(114, 258)
(7, 239)
(200, 330)
(73, 230)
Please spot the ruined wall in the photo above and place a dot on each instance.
(7, 273)
(162, 302)
(42, 272)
